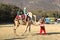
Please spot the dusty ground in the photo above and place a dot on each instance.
(53, 32)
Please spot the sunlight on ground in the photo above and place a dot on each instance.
(53, 32)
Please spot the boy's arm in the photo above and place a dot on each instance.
(38, 23)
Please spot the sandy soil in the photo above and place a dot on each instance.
(53, 32)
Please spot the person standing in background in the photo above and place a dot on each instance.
(47, 20)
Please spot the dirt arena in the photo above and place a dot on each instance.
(53, 32)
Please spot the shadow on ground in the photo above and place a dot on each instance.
(34, 34)
(51, 33)
(17, 38)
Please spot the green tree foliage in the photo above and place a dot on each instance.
(36, 12)
(7, 12)
(55, 14)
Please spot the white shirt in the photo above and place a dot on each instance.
(42, 25)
